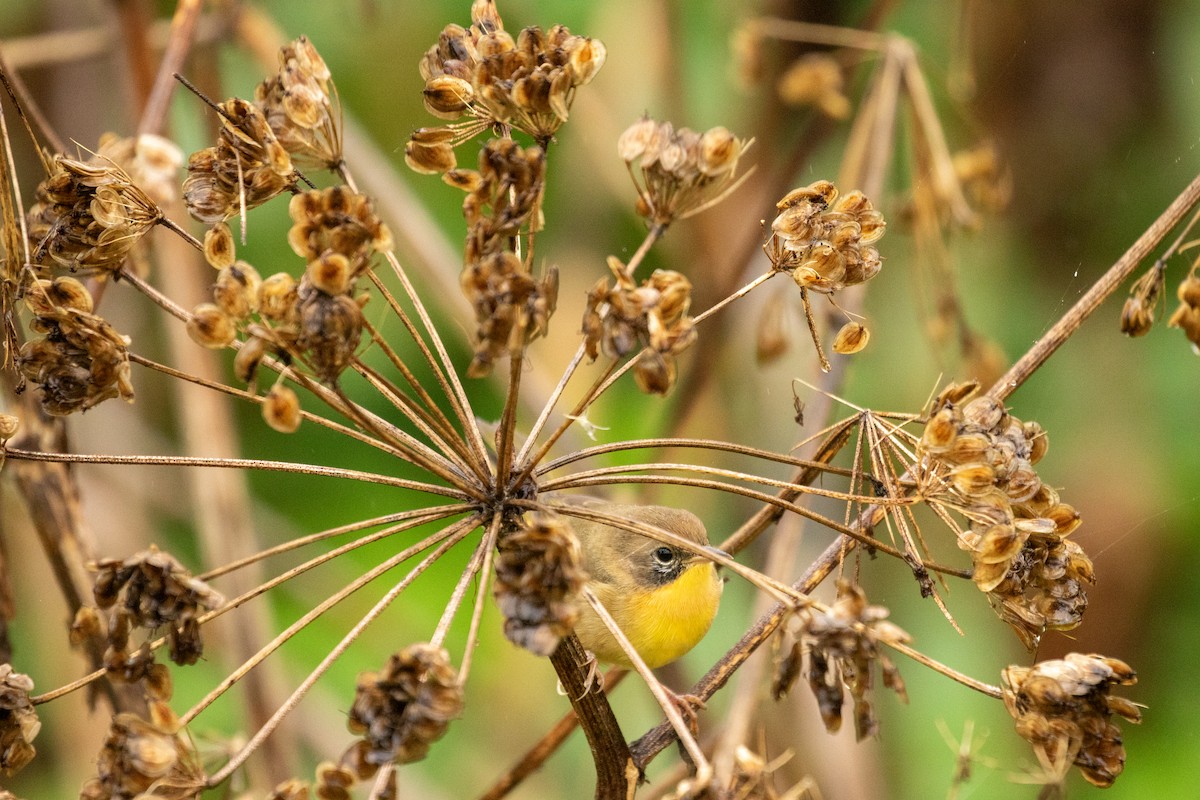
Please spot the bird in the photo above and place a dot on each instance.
(662, 597)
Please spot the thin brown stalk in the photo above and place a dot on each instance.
(1108, 283)
(479, 558)
(454, 535)
(489, 552)
(548, 408)
(181, 36)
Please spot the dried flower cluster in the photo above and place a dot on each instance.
(1187, 314)
(298, 107)
(481, 72)
(89, 214)
(823, 240)
(150, 590)
(1137, 315)
(980, 459)
(843, 646)
(1064, 709)
(146, 758)
(247, 167)
(815, 79)
(80, 360)
(539, 577)
(679, 172)
(651, 317)
(19, 724)
(404, 709)
(316, 321)
(512, 308)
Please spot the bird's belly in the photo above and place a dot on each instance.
(666, 622)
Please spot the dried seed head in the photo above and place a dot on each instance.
(539, 576)
(88, 216)
(19, 724)
(824, 241)
(150, 590)
(679, 172)
(209, 326)
(218, 246)
(146, 757)
(44, 296)
(329, 331)
(278, 297)
(298, 107)
(281, 409)
(815, 79)
(402, 710)
(247, 167)
(79, 362)
(1186, 316)
(843, 645)
(1064, 708)
(337, 221)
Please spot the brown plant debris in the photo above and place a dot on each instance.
(651, 317)
(679, 172)
(1186, 316)
(843, 646)
(146, 758)
(539, 577)
(978, 459)
(1064, 708)
(152, 590)
(19, 724)
(404, 709)
(298, 107)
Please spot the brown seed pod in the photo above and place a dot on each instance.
(281, 409)
(211, 327)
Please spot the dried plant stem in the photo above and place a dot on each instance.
(1101, 289)
(479, 558)
(181, 35)
(441, 537)
(655, 233)
(508, 417)
(295, 468)
(450, 537)
(740, 293)
(616, 773)
(548, 408)
(489, 552)
(816, 33)
(665, 701)
(30, 113)
(937, 666)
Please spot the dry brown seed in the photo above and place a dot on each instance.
(331, 273)
(281, 409)
(219, 248)
(277, 297)
(429, 159)
(985, 412)
(211, 327)
(236, 290)
(852, 338)
(249, 356)
(447, 96)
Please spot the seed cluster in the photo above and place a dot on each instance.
(1064, 709)
(815, 79)
(679, 172)
(316, 321)
(481, 72)
(823, 240)
(89, 215)
(143, 758)
(512, 308)
(150, 590)
(980, 459)
(19, 723)
(298, 107)
(843, 645)
(1186, 316)
(404, 709)
(79, 360)
(539, 577)
(651, 317)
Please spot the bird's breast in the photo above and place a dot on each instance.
(667, 621)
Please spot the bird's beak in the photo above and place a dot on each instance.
(712, 552)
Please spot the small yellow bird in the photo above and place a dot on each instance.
(662, 597)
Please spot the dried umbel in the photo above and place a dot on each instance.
(337, 221)
(247, 167)
(152, 590)
(843, 646)
(298, 107)
(978, 459)
(146, 758)
(678, 173)
(823, 240)
(1064, 708)
(482, 72)
(1187, 314)
(404, 709)
(539, 577)
(88, 216)
(815, 79)
(80, 360)
(19, 723)
(152, 162)
(1137, 315)
(652, 317)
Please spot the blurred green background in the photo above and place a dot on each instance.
(1094, 106)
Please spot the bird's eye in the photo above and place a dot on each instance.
(664, 555)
